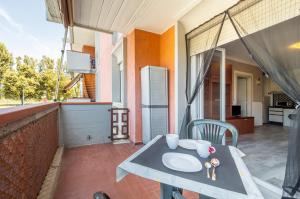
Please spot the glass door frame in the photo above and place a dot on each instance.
(222, 88)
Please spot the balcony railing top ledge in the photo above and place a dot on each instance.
(8, 115)
(86, 103)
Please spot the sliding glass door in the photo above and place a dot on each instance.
(214, 89)
(212, 102)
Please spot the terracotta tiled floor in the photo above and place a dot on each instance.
(89, 169)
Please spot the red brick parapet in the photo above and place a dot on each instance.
(27, 146)
(8, 115)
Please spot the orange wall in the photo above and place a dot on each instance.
(89, 87)
(145, 48)
(89, 49)
(105, 67)
(167, 58)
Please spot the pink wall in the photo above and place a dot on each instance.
(105, 67)
(131, 99)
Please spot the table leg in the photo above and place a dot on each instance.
(204, 197)
(165, 191)
(170, 192)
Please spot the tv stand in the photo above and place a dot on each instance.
(244, 125)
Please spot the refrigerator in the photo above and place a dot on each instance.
(154, 87)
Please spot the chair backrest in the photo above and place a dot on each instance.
(211, 130)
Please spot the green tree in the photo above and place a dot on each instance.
(21, 82)
(46, 63)
(32, 79)
(6, 60)
(47, 78)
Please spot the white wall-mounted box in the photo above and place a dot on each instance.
(79, 62)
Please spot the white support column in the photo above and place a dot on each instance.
(180, 72)
(222, 85)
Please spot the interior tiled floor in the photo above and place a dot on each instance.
(89, 169)
(266, 152)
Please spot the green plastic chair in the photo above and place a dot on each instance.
(211, 130)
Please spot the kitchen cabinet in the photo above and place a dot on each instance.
(275, 114)
(286, 119)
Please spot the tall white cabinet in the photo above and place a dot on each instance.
(154, 88)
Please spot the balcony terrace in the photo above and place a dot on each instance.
(31, 136)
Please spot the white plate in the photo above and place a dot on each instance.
(181, 162)
(188, 144)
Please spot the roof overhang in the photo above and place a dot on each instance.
(60, 11)
(118, 15)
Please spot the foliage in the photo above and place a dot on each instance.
(21, 80)
(33, 79)
(6, 60)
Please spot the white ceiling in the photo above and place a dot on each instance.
(80, 37)
(125, 15)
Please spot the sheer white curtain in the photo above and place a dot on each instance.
(205, 38)
(275, 51)
(196, 106)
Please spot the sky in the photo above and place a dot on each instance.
(25, 31)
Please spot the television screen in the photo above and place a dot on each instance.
(236, 110)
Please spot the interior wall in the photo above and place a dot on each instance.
(257, 74)
(257, 88)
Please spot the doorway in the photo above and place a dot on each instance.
(243, 92)
(213, 100)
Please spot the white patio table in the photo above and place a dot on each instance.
(233, 178)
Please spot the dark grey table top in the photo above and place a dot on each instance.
(228, 176)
